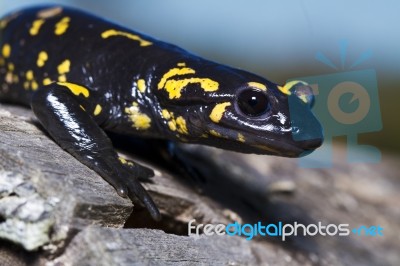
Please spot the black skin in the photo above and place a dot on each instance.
(108, 70)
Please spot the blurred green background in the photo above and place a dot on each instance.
(276, 39)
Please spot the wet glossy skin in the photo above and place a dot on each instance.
(83, 76)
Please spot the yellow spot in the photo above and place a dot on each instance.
(35, 28)
(75, 89)
(110, 33)
(218, 111)
(42, 58)
(29, 75)
(3, 23)
(49, 12)
(165, 113)
(97, 110)
(64, 67)
(124, 161)
(173, 72)
(172, 125)
(47, 81)
(241, 138)
(62, 26)
(181, 125)
(2, 61)
(10, 67)
(62, 78)
(266, 148)
(26, 85)
(9, 78)
(288, 86)
(141, 84)
(6, 51)
(175, 87)
(181, 64)
(34, 85)
(140, 121)
(303, 97)
(257, 85)
(15, 79)
(215, 133)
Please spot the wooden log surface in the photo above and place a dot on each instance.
(54, 210)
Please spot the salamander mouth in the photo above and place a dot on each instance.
(250, 143)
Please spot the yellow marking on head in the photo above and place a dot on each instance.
(141, 84)
(181, 125)
(62, 26)
(42, 58)
(47, 81)
(218, 111)
(64, 67)
(175, 87)
(174, 72)
(178, 124)
(109, 33)
(172, 125)
(6, 50)
(62, 78)
(257, 85)
(29, 75)
(75, 89)
(182, 64)
(241, 138)
(97, 109)
(140, 121)
(34, 85)
(215, 133)
(288, 86)
(49, 12)
(35, 28)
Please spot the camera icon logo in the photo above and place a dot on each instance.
(347, 104)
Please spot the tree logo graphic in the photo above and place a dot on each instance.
(347, 104)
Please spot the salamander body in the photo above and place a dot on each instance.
(84, 76)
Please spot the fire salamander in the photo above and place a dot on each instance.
(84, 76)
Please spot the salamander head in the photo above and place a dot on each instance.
(237, 110)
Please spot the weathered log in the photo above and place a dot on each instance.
(49, 203)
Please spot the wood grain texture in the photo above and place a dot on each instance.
(60, 209)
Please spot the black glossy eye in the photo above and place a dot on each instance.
(253, 102)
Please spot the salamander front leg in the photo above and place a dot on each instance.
(58, 107)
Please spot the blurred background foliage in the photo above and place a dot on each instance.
(276, 39)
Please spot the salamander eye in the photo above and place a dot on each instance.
(253, 102)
